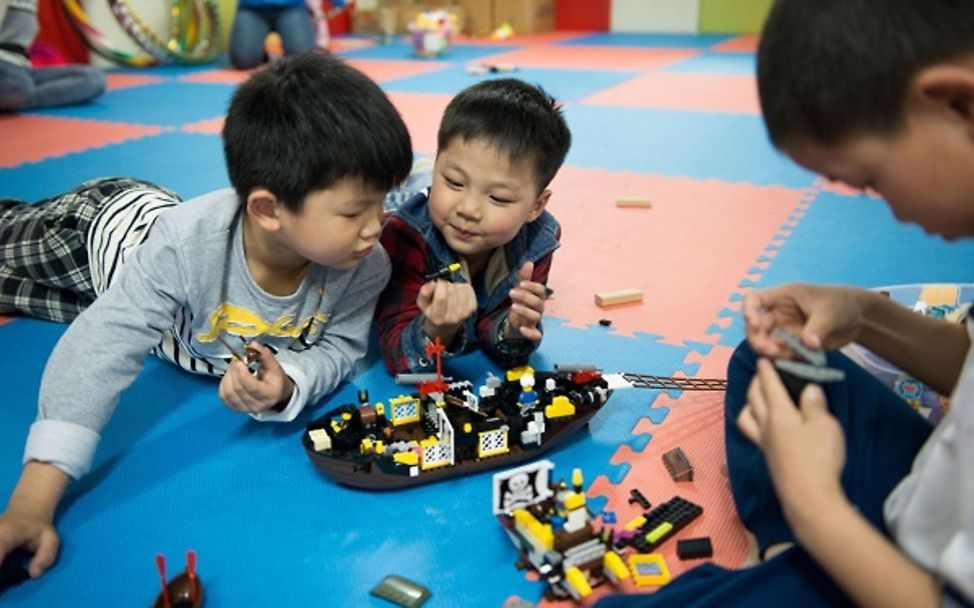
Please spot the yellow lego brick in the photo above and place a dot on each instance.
(539, 532)
(515, 374)
(636, 523)
(410, 459)
(649, 570)
(614, 564)
(578, 582)
(575, 501)
(559, 408)
(659, 532)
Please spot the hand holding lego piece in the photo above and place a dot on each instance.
(446, 305)
(824, 317)
(804, 447)
(527, 306)
(28, 523)
(243, 391)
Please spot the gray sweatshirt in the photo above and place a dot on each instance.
(185, 286)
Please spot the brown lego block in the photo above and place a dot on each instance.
(622, 296)
(678, 465)
(634, 201)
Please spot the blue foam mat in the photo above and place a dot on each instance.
(857, 241)
(729, 147)
(564, 85)
(676, 41)
(178, 471)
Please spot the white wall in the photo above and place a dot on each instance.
(667, 16)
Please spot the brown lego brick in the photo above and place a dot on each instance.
(678, 465)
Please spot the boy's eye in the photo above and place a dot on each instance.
(501, 201)
(452, 183)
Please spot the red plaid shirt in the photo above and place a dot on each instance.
(400, 322)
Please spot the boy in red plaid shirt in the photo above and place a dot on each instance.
(499, 146)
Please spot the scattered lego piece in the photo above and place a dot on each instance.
(443, 273)
(634, 201)
(605, 322)
(401, 591)
(636, 496)
(608, 517)
(649, 570)
(694, 548)
(678, 465)
(186, 589)
(663, 522)
(621, 296)
(797, 374)
(14, 569)
(940, 295)
(490, 68)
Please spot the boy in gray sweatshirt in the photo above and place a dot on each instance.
(282, 270)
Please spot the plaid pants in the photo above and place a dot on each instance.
(44, 268)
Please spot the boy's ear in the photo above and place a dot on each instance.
(947, 87)
(263, 208)
(539, 204)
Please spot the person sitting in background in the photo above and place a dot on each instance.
(257, 18)
(23, 87)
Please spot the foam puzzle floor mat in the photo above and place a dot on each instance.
(672, 119)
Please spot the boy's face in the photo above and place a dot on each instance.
(337, 226)
(480, 199)
(925, 172)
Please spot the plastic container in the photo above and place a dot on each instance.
(941, 300)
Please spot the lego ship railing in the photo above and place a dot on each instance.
(676, 384)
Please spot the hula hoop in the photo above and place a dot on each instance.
(194, 33)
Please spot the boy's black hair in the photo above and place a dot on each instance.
(831, 69)
(308, 121)
(515, 117)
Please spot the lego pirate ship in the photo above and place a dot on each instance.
(446, 429)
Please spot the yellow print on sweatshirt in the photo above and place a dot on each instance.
(239, 321)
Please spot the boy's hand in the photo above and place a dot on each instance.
(242, 391)
(825, 317)
(804, 447)
(24, 530)
(446, 306)
(527, 306)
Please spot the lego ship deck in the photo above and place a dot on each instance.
(446, 430)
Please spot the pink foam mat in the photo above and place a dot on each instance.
(210, 126)
(519, 39)
(41, 137)
(686, 253)
(729, 93)
(742, 44)
(422, 113)
(593, 57)
(115, 81)
(695, 424)
(218, 76)
(382, 70)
